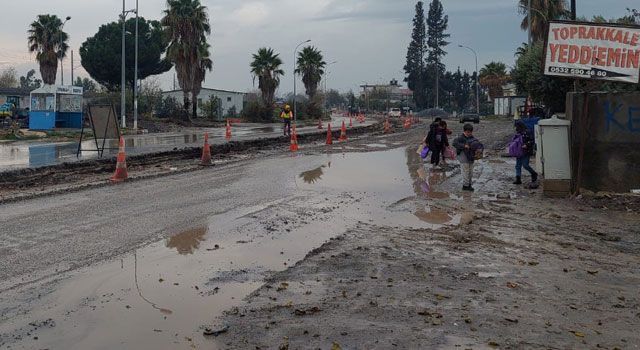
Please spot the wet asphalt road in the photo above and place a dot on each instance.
(43, 238)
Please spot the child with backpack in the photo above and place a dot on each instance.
(468, 148)
(522, 147)
(436, 140)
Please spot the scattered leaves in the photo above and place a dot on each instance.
(577, 334)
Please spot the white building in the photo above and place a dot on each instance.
(228, 100)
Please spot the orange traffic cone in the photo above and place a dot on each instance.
(206, 151)
(350, 123)
(387, 126)
(329, 136)
(121, 166)
(294, 139)
(228, 132)
(343, 133)
(320, 124)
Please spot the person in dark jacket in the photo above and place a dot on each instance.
(467, 146)
(436, 140)
(528, 148)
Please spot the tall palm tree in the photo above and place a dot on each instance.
(493, 76)
(266, 67)
(311, 66)
(187, 26)
(49, 42)
(204, 64)
(542, 12)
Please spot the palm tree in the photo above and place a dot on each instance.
(205, 64)
(49, 42)
(311, 66)
(493, 76)
(187, 25)
(542, 12)
(266, 67)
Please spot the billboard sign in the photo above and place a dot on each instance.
(593, 51)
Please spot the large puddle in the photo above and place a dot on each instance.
(163, 295)
(17, 155)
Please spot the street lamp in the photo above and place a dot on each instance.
(295, 53)
(477, 73)
(61, 52)
(123, 18)
(327, 75)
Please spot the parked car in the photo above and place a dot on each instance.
(469, 117)
(395, 112)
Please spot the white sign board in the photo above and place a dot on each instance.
(593, 51)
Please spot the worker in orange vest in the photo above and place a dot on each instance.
(286, 116)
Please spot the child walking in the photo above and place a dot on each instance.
(467, 146)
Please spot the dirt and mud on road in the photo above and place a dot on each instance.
(20, 184)
(356, 246)
(507, 269)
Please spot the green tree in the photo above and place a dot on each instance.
(415, 68)
(542, 11)
(87, 84)
(8, 78)
(437, 24)
(187, 25)
(49, 42)
(529, 78)
(29, 81)
(311, 66)
(266, 66)
(335, 99)
(101, 54)
(493, 76)
(212, 107)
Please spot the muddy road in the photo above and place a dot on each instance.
(357, 245)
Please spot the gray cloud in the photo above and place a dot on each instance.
(368, 38)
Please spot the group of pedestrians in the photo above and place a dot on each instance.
(467, 149)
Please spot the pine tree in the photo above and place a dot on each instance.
(415, 67)
(437, 23)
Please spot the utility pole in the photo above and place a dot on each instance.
(529, 22)
(477, 87)
(72, 67)
(573, 10)
(135, 78)
(61, 52)
(122, 86)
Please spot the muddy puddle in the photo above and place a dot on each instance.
(17, 155)
(163, 295)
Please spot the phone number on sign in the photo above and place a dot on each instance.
(577, 71)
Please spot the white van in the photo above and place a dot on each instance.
(395, 112)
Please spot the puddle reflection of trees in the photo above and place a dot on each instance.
(188, 241)
(312, 176)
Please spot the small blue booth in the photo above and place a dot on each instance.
(54, 106)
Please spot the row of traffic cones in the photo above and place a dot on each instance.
(121, 174)
(343, 134)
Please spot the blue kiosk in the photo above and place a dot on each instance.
(54, 106)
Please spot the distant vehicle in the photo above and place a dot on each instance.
(406, 110)
(470, 117)
(395, 112)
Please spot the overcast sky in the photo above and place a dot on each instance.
(368, 38)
